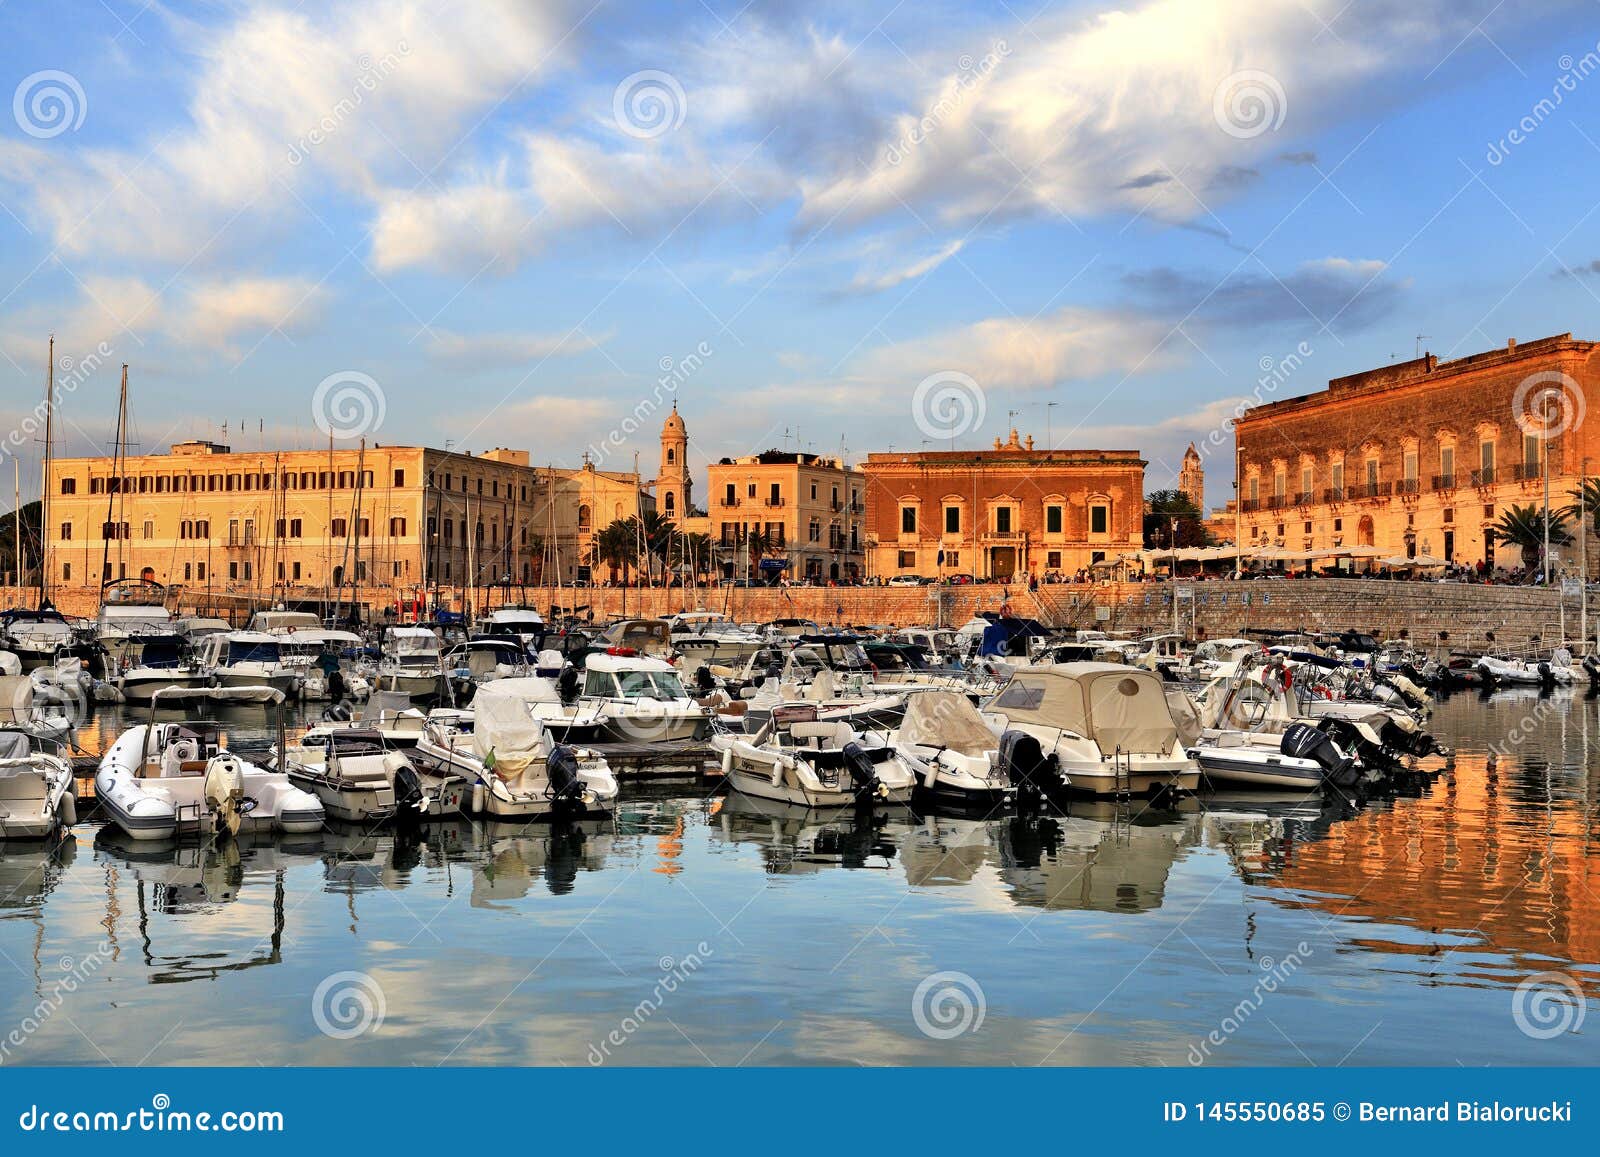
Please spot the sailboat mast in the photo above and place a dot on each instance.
(44, 486)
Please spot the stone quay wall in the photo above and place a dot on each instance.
(1211, 609)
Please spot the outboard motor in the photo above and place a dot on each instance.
(1547, 676)
(409, 797)
(1591, 666)
(1402, 733)
(337, 713)
(567, 686)
(562, 770)
(1030, 771)
(863, 774)
(1306, 741)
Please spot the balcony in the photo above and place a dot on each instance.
(1277, 502)
(1406, 486)
(1374, 490)
(1444, 481)
(1304, 498)
(1334, 494)
(774, 502)
(1484, 477)
(1528, 471)
(1005, 537)
(1250, 505)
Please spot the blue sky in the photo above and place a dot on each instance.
(507, 220)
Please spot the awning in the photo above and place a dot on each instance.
(218, 694)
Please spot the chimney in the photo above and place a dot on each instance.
(1511, 345)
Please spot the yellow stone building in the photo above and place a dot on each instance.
(806, 508)
(389, 522)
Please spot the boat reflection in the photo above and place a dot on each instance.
(509, 859)
(176, 879)
(32, 869)
(794, 840)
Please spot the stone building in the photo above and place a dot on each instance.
(807, 508)
(673, 487)
(1004, 513)
(1423, 456)
(389, 522)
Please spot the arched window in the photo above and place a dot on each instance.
(670, 505)
(584, 518)
(672, 455)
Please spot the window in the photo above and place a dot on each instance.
(149, 529)
(1002, 520)
(341, 527)
(672, 455)
(69, 486)
(202, 529)
(1531, 453)
(1280, 483)
(66, 532)
(1450, 516)
(1052, 559)
(1372, 475)
(296, 572)
(750, 490)
(1099, 519)
(814, 530)
(907, 559)
(1307, 478)
(730, 496)
(1255, 489)
(1410, 466)
(774, 495)
(399, 480)
(200, 571)
(1447, 464)
(1486, 460)
(952, 520)
(1336, 473)
(397, 528)
(66, 572)
(908, 520)
(233, 570)
(1052, 520)
(669, 503)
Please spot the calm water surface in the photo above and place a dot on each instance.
(1462, 926)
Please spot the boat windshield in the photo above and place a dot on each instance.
(412, 646)
(650, 685)
(253, 652)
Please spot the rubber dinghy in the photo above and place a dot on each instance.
(164, 779)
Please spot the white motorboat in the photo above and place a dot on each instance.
(1105, 726)
(247, 659)
(525, 624)
(303, 648)
(162, 779)
(38, 794)
(36, 638)
(641, 698)
(1523, 673)
(361, 779)
(18, 708)
(515, 767)
(412, 663)
(952, 751)
(151, 661)
(569, 720)
(796, 759)
(708, 638)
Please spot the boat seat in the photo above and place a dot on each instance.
(364, 769)
(822, 732)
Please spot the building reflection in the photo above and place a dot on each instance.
(1498, 858)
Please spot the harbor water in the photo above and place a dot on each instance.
(1461, 926)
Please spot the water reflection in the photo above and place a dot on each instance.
(1422, 910)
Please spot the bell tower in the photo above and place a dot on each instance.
(1192, 478)
(672, 481)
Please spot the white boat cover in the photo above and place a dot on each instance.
(504, 728)
(15, 753)
(220, 694)
(945, 719)
(1119, 707)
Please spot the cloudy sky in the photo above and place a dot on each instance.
(850, 226)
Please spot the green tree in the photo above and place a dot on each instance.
(1585, 503)
(617, 546)
(30, 540)
(1160, 508)
(1524, 528)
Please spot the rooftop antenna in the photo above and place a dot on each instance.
(1421, 337)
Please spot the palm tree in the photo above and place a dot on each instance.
(617, 546)
(1524, 528)
(1585, 502)
(691, 552)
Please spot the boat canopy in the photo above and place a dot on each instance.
(946, 719)
(15, 750)
(1119, 707)
(618, 663)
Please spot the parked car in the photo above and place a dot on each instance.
(907, 580)
(960, 580)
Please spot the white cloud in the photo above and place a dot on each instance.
(218, 310)
(1071, 344)
(877, 283)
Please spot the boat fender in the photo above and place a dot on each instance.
(68, 814)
